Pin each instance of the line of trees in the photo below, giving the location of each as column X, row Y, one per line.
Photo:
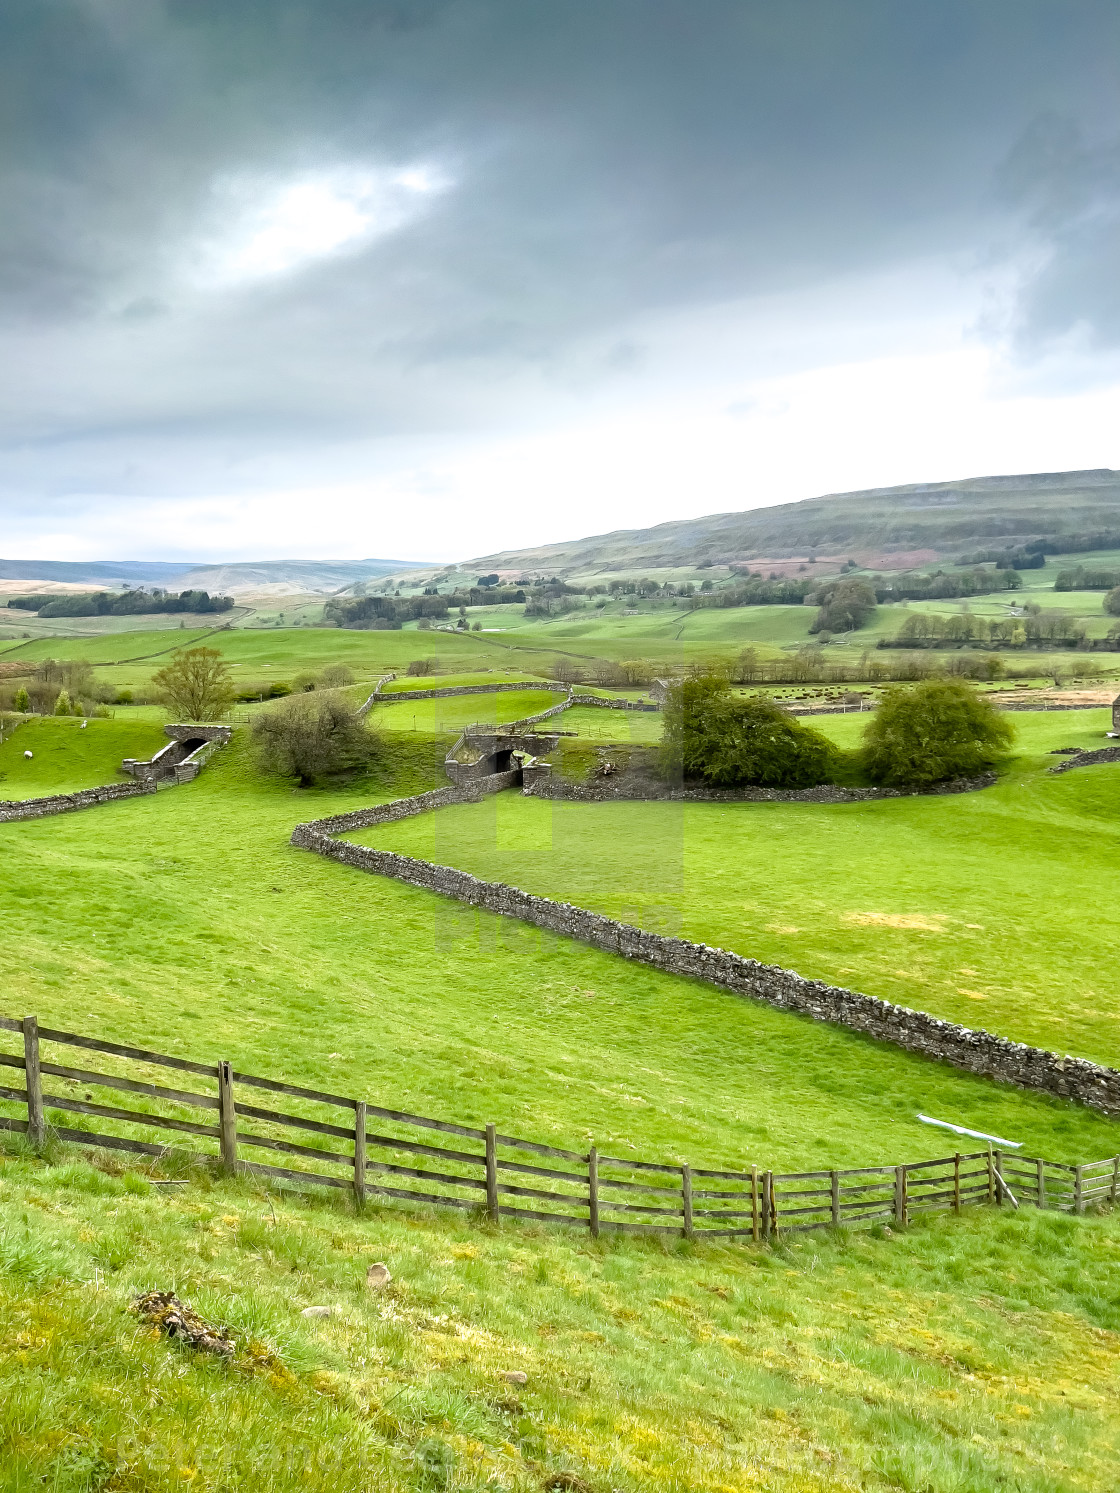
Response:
column 945, row 585
column 38, row 692
column 1017, row 557
column 1086, row 578
column 1035, row 629
column 383, row 613
column 126, row 604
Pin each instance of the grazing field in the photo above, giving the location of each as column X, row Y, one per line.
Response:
column 991, row 908
column 130, row 659
column 643, row 727
column 935, row 1360
column 185, row 922
column 66, row 758
column 956, row 1356
column 403, row 683
column 453, row 712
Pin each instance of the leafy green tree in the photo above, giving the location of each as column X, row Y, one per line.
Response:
column 22, row 701
column 925, row 733
column 197, row 684
column 710, row 733
column 62, row 705
column 313, row 736
column 1112, row 602
column 844, row 605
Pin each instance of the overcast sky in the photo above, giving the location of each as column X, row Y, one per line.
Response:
column 429, row 278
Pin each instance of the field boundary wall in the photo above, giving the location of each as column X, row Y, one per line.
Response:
column 67, row 803
column 328, row 1140
column 974, row 1050
column 1087, row 759
column 545, row 784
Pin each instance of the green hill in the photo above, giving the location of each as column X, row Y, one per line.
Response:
column 1075, row 510
column 959, row 1356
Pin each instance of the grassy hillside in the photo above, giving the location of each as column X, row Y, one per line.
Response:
column 929, row 1361
column 65, row 757
column 944, row 516
column 988, row 908
column 282, row 653
column 452, row 713
column 186, row 923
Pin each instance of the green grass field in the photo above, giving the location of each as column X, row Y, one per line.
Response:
column 959, row 1357
column 185, row 922
column 990, row 908
column 449, row 681
column 66, row 758
column 129, row 660
column 453, row 712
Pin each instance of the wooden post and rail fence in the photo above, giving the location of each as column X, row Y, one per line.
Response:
column 496, row 1175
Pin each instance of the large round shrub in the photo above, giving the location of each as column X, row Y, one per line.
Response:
column 926, row 733
column 1112, row 602
column 313, row 736
column 729, row 741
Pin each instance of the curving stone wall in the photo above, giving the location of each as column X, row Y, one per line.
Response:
column 1087, row 758
column 597, row 700
column 541, row 782
column 66, row 803
column 390, row 697
column 978, row 1052
column 403, row 808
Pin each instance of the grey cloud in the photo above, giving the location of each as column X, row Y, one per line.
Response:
column 1069, row 191
column 609, row 159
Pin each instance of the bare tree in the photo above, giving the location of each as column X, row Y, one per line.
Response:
column 196, row 684
column 312, row 736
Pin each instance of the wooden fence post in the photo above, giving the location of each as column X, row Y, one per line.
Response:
column 766, row 1206
column 957, row 1183
column 991, row 1176
column 686, row 1199
column 360, row 1152
column 997, row 1165
column 773, row 1206
column 1040, row 1173
column 900, row 1196
column 227, row 1116
column 835, row 1179
column 492, row 1173
column 593, row 1191
column 1078, row 1191
column 754, row 1203
column 1115, row 1178
column 36, row 1121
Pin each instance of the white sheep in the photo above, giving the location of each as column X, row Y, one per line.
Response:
column 29, row 755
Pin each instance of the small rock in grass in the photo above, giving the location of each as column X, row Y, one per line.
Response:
column 378, row 1277
column 317, row 1311
column 515, row 1376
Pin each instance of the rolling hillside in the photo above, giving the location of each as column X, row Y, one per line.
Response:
column 286, row 577
column 937, row 519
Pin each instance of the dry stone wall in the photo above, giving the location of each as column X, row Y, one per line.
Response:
column 544, row 783
column 978, row 1052
column 66, row 803
column 1086, row 759
column 308, row 835
column 391, row 697
column 606, row 704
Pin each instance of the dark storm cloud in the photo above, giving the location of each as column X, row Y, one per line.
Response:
column 601, row 159
column 1069, row 190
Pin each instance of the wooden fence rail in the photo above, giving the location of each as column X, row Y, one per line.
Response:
column 329, row 1140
